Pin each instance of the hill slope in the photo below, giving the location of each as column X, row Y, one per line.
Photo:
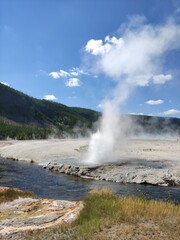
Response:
column 18, row 109
column 24, row 117
column 141, row 124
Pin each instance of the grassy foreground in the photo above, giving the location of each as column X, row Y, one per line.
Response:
column 106, row 216
column 12, row 194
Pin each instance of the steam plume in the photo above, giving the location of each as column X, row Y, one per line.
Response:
column 132, row 58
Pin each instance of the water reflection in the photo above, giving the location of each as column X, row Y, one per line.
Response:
column 44, row 183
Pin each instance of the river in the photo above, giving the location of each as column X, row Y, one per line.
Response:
column 47, row 184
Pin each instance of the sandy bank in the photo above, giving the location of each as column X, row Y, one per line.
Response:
column 154, row 161
column 42, row 151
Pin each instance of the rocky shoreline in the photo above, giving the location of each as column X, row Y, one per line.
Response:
column 120, row 173
column 141, row 161
column 27, row 213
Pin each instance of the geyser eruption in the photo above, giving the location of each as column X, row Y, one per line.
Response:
column 103, row 141
column 133, row 59
column 102, row 144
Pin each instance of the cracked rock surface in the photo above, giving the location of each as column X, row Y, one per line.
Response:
column 29, row 214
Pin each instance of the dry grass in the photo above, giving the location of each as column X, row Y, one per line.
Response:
column 104, row 211
column 12, row 194
column 107, row 217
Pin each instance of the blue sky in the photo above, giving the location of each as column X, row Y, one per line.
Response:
column 44, row 52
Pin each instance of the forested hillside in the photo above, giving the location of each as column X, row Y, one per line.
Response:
column 24, row 117
column 22, row 113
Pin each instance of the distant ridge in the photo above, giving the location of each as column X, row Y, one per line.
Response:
column 25, row 117
column 19, row 109
column 152, row 125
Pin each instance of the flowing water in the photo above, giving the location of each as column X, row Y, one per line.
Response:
column 44, row 183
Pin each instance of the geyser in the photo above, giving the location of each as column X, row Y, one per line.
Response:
column 103, row 141
column 132, row 58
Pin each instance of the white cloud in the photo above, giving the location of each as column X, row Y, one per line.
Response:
column 73, row 82
column 77, row 72
column 154, row 102
column 161, row 78
column 72, row 74
column 94, row 46
column 133, row 113
column 54, row 74
column 98, row 47
column 50, row 97
column 63, row 73
column 59, row 74
column 135, row 56
column 100, row 106
column 6, row 84
column 171, row 112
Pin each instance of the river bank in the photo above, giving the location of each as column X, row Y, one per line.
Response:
column 106, row 217
column 27, row 213
column 31, row 218
column 148, row 161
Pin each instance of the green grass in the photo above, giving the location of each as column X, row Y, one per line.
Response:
column 12, row 194
column 103, row 211
column 106, row 216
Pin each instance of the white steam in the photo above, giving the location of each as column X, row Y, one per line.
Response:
column 133, row 59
